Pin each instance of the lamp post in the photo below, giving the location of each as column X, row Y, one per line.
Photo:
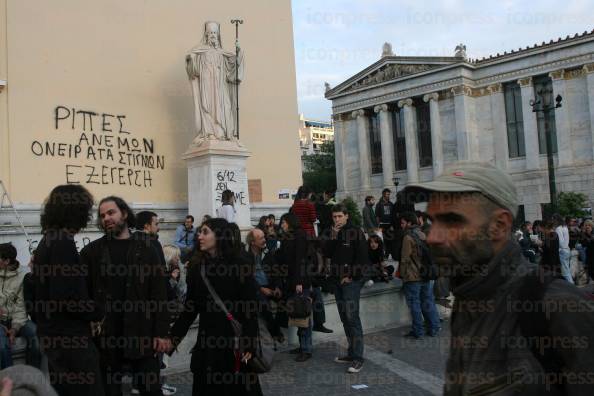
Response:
column 543, row 104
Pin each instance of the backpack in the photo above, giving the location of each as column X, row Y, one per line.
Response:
column 427, row 266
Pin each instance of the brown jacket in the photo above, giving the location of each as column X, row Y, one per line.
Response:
column 410, row 262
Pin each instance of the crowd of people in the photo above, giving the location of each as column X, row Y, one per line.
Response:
column 126, row 301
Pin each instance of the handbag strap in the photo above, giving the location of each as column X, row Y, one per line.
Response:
column 234, row 322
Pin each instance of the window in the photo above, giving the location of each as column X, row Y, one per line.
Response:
column 514, row 120
column 424, row 133
column 399, row 140
column 375, row 143
column 543, row 90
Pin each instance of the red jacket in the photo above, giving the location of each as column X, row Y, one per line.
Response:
column 305, row 211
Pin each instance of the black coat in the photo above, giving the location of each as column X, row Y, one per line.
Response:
column 146, row 291
column 292, row 259
column 62, row 302
column 347, row 252
column 213, row 355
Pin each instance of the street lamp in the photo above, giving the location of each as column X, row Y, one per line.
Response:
column 543, row 105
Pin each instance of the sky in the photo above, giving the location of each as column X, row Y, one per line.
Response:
column 336, row 39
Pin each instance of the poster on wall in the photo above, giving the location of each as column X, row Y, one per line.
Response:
column 284, row 193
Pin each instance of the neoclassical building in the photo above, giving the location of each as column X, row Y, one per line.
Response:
column 406, row 118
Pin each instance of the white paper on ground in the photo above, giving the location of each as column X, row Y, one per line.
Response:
column 359, row 386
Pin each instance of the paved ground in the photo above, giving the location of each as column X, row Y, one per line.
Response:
column 394, row 363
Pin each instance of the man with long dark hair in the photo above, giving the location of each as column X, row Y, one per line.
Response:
column 127, row 272
column 63, row 305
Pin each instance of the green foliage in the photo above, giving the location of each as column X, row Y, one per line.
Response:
column 319, row 170
column 572, row 204
column 354, row 213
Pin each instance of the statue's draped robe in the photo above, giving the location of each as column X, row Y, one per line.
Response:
column 212, row 76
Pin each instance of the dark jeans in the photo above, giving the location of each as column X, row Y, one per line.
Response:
column 74, row 371
column 5, row 349
column 305, row 334
column 32, row 355
column 33, row 352
column 420, row 301
column 145, row 372
column 347, row 302
column 319, row 311
column 388, row 236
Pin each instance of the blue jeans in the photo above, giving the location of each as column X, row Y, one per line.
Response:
column 305, row 333
column 5, row 349
column 33, row 353
column 565, row 258
column 420, row 301
column 347, row 302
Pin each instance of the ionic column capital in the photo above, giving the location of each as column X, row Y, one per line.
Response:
column 588, row 68
column 557, row 74
column 525, row 82
column 495, row 88
column 462, row 90
column 405, row 102
column 431, row 96
column 358, row 113
column 379, row 108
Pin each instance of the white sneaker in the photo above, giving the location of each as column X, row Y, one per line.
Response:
column 168, row 390
column 369, row 283
column 135, row 391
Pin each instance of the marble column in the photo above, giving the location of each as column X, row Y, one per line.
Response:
column 387, row 145
column 339, row 136
column 364, row 151
column 410, row 137
column 436, row 141
column 530, row 125
column 589, row 72
column 499, row 125
column 562, row 122
column 466, row 138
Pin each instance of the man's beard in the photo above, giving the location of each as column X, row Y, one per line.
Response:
column 116, row 230
column 213, row 43
column 466, row 259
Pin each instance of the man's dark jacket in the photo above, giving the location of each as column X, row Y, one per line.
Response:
column 348, row 253
column 493, row 324
column 146, row 289
column 269, row 266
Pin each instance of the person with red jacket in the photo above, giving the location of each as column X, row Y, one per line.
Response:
column 305, row 211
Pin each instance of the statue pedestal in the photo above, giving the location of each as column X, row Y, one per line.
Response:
column 213, row 167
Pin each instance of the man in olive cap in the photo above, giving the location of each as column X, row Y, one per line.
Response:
column 514, row 328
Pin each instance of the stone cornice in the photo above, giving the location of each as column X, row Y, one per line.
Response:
column 2, row 85
column 432, row 96
column 379, row 108
column 405, row 102
column 589, row 68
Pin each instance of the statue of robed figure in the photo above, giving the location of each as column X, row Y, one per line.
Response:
column 214, row 74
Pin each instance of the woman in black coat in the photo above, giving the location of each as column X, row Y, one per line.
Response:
column 587, row 241
column 62, row 304
column 218, row 363
column 292, row 257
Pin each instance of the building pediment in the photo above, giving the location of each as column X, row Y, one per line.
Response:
column 389, row 69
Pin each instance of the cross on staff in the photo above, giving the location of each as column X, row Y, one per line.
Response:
column 237, row 22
